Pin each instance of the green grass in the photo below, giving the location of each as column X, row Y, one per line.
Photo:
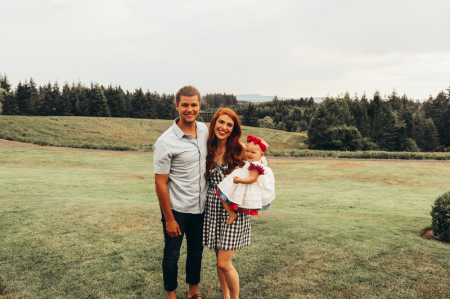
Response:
column 125, row 134
column 77, row 224
column 361, row 154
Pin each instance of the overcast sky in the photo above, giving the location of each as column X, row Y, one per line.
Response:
column 288, row 48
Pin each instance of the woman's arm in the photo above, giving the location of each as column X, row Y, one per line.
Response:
column 253, row 177
column 244, row 151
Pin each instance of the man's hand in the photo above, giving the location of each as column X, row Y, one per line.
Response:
column 173, row 229
column 236, row 180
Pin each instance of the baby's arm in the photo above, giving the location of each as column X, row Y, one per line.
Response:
column 253, row 177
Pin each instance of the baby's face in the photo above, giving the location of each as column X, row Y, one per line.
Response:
column 254, row 152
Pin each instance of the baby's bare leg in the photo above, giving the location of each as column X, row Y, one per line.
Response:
column 231, row 214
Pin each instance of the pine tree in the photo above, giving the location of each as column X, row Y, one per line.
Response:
column 140, row 105
column 419, row 129
column 431, row 135
column 116, row 101
column 80, row 100
column 10, row 106
column 375, row 112
column 23, row 98
column 34, row 97
column 363, row 122
column 98, row 105
column 66, row 100
column 3, row 93
column 390, row 131
column 250, row 118
column 395, row 101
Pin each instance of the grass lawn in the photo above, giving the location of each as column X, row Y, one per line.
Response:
column 76, row 224
column 126, row 134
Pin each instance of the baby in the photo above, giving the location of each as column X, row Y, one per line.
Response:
column 249, row 189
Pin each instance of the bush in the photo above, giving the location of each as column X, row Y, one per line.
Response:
column 411, row 146
column 440, row 214
column 266, row 122
column 343, row 138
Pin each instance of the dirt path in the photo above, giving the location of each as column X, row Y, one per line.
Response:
column 7, row 143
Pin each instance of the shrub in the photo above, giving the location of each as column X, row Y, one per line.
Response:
column 440, row 214
column 343, row 138
column 411, row 146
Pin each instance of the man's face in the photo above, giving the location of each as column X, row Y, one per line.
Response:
column 188, row 107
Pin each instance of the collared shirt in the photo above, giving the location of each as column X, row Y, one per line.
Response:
column 184, row 158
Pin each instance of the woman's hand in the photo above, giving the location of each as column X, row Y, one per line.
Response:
column 237, row 180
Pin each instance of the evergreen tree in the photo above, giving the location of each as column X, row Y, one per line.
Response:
column 395, row 101
column 80, row 100
column 431, row 135
column 419, row 129
column 389, row 132
column 375, row 112
column 116, row 101
column 363, row 120
column 444, row 122
column 66, row 100
column 128, row 104
column 98, row 105
column 3, row 93
column 23, row 98
column 250, row 118
column 55, row 99
column 140, row 105
column 7, row 100
column 34, row 97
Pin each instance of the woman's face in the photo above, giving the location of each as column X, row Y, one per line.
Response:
column 223, row 127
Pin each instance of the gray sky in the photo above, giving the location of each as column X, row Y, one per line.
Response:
column 288, row 48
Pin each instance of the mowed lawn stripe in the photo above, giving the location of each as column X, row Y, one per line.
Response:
column 87, row 224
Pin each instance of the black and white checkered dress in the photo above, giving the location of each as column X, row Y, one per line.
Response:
column 216, row 233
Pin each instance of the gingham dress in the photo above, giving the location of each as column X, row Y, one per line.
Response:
column 216, row 233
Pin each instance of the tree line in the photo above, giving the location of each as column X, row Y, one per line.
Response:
column 391, row 123
column 80, row 100
column 344, row 122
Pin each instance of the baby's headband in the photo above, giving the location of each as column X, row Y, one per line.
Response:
column 257, row 141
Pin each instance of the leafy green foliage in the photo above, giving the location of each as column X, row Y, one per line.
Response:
column 440, row 214
column 343, row 138
column 266, row 122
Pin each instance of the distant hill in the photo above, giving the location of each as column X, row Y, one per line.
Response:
column 261, row 98
column 125, row 134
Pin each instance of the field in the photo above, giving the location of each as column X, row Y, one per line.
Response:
column 128, row 134
column 125, row 134
column 80, row 224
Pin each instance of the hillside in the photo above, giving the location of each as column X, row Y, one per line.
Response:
column 125, row 134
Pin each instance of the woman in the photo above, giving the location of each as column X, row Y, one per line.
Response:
column 225, row 152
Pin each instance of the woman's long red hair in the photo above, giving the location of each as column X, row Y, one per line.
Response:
column 234, row 147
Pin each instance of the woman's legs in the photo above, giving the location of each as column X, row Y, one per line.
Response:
column 222, row 281
column 228, row 276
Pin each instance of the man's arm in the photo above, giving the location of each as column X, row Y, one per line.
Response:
column 164, row 201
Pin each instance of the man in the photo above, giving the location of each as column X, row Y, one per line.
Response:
column 179, row 162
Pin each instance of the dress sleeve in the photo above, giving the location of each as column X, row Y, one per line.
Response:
column 257, row 166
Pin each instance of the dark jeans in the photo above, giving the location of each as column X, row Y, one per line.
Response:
column 192, row 226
